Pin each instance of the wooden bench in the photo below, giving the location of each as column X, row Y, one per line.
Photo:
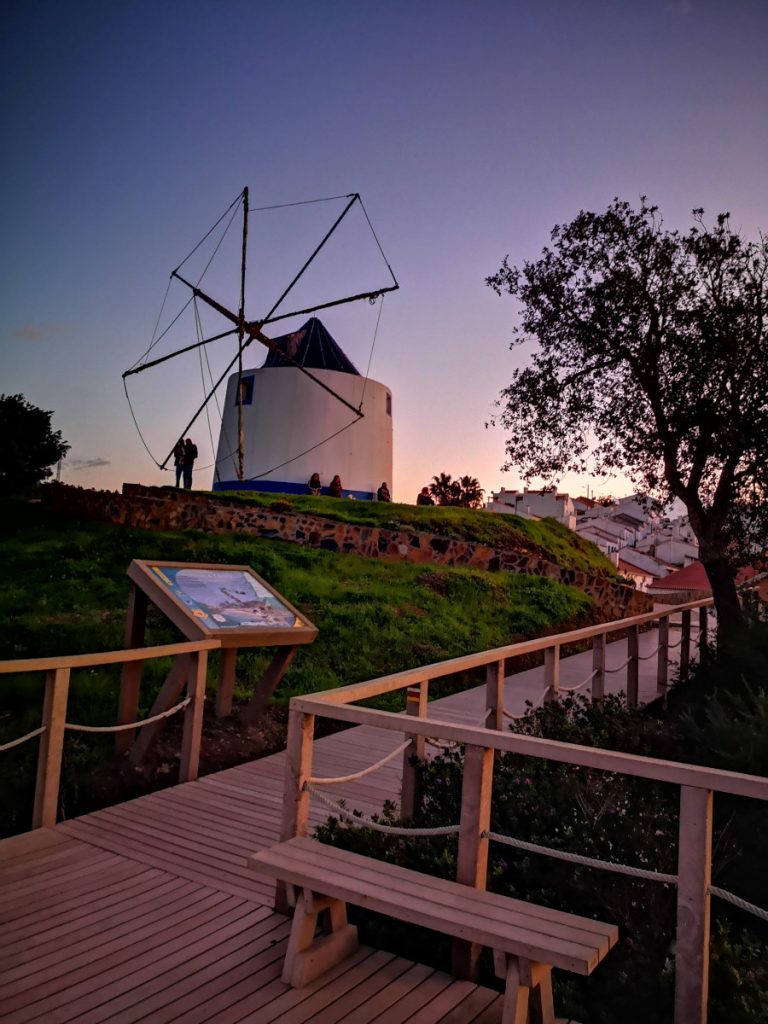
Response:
column 527, row 940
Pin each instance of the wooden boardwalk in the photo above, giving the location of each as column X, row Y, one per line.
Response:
column 145, row 912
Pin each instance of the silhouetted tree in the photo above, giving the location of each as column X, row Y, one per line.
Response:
column 28, row 445
column 652, row 360
column 471, row 495
column 464, row 492
column 442, row 489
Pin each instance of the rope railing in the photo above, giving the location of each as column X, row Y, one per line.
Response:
column 359, row 818
column 533, row 707
column 671, row 647
column 577, row 858
column 653, row 653
column 579, row 686
column 129, row 725
column 338, row 779
column 737, row 901
column 610, row 671
column 446, row 744
column 22, row 739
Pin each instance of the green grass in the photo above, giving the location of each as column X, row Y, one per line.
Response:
column 546, row 538
column 64, row 590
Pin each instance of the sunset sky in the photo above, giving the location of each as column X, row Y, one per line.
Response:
column 469, row 128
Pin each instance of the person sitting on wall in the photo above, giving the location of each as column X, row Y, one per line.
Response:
column 424, row 497
column 383, row 493
column 336, row 490
column 178, row 460
column 314, row 486
column 190, row 454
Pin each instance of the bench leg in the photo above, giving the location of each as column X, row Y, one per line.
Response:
column 528, row 994
column 308, row 956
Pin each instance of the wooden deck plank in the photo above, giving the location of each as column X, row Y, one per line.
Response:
column 439, row 1007
column 431, row 989
column 326, row 997
column 480, row 1001
column 293, row 997
column 207, row 833
column 28, row 844
column 190, row 976
column 103, row 871
column 80, row 910
column 53, row 1001
column 47, row 974
column 166, row 856
column 399, row 988
column 51, row 946
column 88, row 931
column 339, row 1010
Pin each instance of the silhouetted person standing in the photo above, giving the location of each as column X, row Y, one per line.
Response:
column 190, row 454
column 178, row 460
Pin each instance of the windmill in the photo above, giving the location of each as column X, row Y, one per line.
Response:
column 249, row 330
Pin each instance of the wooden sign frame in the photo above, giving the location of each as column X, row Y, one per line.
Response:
column 150, row 583
column 195, row 624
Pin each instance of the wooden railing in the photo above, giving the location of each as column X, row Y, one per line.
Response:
column 54, row 717
column 697, row 784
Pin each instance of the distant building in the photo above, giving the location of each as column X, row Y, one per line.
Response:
column 641, row 569
column 692, row 584
column 543, row 504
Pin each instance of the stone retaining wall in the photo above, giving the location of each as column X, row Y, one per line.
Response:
column 165, row 508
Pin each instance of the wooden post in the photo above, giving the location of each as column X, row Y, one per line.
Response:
column 51, row 748
column 633, row 666
column 598, row 666
column 226, row 681
column 552, row 672
column 128, row 706
column 298, row 768
column 472, row 865
column 167, row 696
column 685, row 645
column 703, row 633
column 267, row 685
column 692, row 940
column 193, row 718
column 416, row 698
column 494, row 695
column 662, row 666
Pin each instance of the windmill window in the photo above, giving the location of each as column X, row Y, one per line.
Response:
column 389, row 405
column 246, row 391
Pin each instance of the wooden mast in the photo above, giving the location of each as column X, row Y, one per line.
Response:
column 241, row 336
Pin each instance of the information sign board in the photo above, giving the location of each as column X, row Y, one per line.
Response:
column 229, row 602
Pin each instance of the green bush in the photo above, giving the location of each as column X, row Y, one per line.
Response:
column 604, row 816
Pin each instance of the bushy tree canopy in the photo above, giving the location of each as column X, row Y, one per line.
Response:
column 652, row 360
column 464, row 491
column 29, row 446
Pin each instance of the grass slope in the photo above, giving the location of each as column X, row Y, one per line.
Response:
column 64, row 590
column 545, row 537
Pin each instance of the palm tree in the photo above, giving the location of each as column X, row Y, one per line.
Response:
column 464, row 491
column 471, row 492
column 442, row 489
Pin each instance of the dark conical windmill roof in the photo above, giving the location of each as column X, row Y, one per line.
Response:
column 311, row 346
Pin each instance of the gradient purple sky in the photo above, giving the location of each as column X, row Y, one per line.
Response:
column 469, row 128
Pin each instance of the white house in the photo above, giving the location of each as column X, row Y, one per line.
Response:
column 642, row 569
column 546, row 503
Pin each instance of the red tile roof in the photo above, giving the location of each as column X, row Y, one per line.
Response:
column 694, row 577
